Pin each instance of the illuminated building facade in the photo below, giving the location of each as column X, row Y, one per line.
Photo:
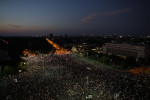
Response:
column 126, row 50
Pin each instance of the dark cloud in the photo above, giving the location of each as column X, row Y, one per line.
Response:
column 13, row 25
column 88, row 18
column 117, row 12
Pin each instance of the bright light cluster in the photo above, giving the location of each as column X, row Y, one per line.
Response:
column 28, row 52
column 59, row 50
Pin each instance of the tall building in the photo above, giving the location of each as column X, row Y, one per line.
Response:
column 127, row 50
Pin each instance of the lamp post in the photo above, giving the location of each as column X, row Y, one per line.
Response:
column 88, row 96
column 87, row 54
column 87, row 82
column 44, row 61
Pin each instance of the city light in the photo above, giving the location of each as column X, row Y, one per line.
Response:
column 28, row 52
column 59, row 50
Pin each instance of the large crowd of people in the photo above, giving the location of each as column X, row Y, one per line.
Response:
column 68, row 77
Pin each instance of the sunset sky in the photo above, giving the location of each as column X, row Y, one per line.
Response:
column 73, row 17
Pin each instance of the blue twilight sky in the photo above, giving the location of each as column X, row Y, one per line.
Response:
column 73, row 17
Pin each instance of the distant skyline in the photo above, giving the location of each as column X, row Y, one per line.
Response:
column 73, row 17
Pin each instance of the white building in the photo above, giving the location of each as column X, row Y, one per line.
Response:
column 126, row 50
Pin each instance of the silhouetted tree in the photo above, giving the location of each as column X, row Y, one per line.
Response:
column 130, row 61
column 53, row 50
column 51, row 35
column 105, row 59
column 141, row 61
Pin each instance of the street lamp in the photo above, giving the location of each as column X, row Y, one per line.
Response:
column 97, row 57
column 88, row 96
column 87, row 78
column 87, row 54
column 44, row 61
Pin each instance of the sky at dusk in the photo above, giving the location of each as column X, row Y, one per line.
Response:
column 73, row 17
